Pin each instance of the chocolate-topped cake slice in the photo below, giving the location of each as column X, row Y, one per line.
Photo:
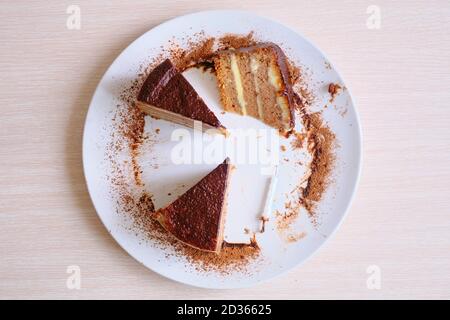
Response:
column 255, row 81
column 166, row 94
column 197, row 217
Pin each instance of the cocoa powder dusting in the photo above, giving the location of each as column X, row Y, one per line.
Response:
column 285, row 221
column 232, row 257
column 234, row 41
column 303, row 95
column 297, row 143
column 200, row 49
column 198, row 53
column 321, row 145
column 129, row 124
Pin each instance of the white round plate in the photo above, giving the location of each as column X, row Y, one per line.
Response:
column 247, row 193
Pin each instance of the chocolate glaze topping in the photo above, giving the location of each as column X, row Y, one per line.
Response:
column 168, row 89
column 196, row 216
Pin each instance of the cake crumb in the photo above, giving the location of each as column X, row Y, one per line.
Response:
column 333, row 90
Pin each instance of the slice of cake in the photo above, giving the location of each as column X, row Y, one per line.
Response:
column 166, row 94
column 197, row 217
column 255, row 81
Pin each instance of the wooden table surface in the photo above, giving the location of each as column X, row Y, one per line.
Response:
column 399, row 74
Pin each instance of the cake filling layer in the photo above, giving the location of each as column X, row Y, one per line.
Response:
column 238, row 83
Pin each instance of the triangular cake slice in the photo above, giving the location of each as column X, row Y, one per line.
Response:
column 197, row 217
column 255, row 81
column 166, row 94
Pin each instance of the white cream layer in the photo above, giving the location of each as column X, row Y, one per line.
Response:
column 238, row 83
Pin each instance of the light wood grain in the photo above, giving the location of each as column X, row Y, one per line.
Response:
column 399, row 76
